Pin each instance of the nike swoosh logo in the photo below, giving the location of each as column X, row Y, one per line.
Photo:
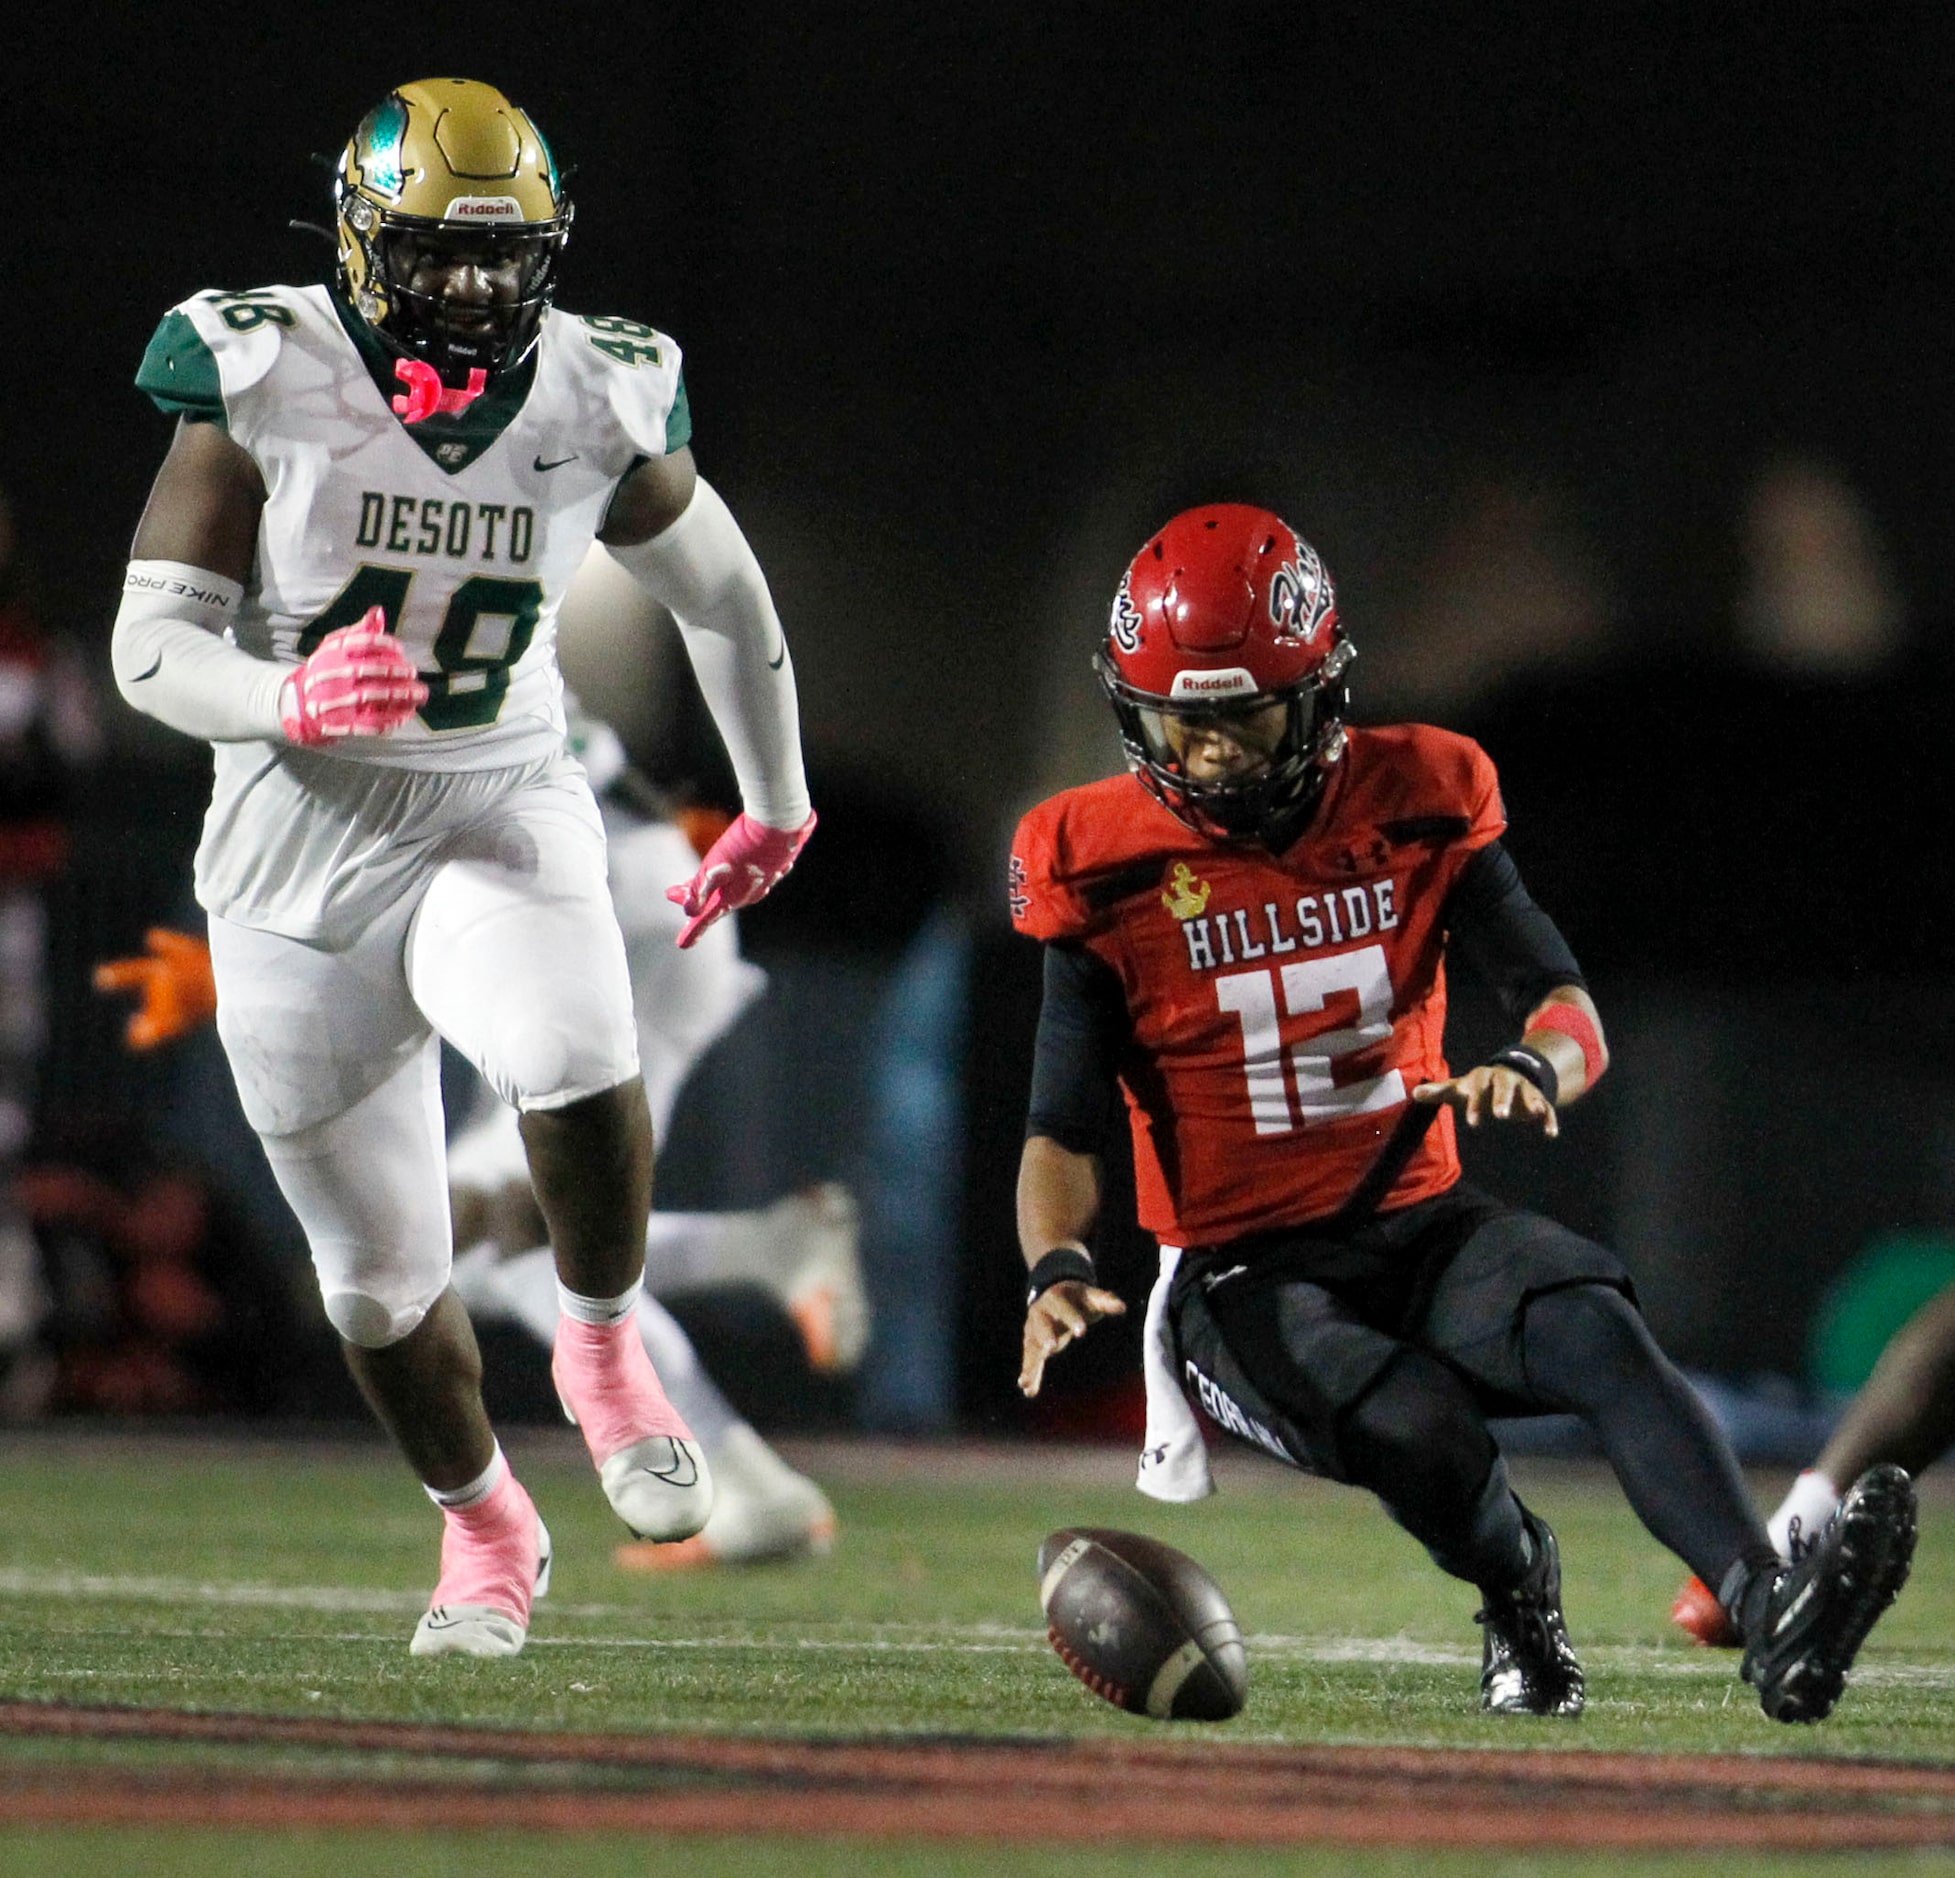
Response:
column 151, row 673
column 774, row 664
column 537, row 463
column 683, row 1471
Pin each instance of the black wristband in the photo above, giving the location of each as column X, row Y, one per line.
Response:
column 1062, row 1263
column 1531, row 1064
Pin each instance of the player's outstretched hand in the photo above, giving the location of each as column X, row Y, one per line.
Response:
column 357, row 683
column 743, row 866
column 1060, row 1316
column 173, row 979
column 1491, row 1088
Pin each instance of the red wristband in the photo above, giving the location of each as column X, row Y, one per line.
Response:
column 1572, row 1021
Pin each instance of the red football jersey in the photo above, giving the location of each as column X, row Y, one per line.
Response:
column 1283, row 1007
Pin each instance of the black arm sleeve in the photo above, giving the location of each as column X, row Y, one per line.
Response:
column 1083, row 1030
column 1507, row 939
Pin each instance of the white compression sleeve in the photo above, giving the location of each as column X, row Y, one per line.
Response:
column 172, row 661
column 702, row 569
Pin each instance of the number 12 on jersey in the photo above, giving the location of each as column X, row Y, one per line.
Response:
column 1307, row 985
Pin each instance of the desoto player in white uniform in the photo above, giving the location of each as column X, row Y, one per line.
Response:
column 347, row 579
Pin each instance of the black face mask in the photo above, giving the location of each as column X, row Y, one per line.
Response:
column 1272, row 805
column 493, row 332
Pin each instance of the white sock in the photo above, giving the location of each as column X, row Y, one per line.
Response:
column 1811, row 1503
column 474, row 1492
column 600, row 1311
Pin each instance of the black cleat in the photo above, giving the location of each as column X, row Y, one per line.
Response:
column 1527, row 1664
column 1821, row 1609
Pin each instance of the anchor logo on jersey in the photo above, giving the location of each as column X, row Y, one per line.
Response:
column 1185, row 896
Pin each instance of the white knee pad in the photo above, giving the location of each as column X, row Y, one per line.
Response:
column 370, row 1189
column 373, row 1322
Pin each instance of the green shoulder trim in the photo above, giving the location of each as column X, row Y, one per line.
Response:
column 450, row 443
column 678, row 423
column 179, row 373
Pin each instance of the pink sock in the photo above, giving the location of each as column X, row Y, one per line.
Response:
column 608, row 1383
column 491, row 1552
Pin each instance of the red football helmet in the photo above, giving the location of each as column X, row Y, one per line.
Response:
column 1226, row 612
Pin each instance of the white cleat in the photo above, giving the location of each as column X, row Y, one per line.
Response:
column 762, row 1511
column 660, row 1487
column 818, row 1232
column 480, row 1629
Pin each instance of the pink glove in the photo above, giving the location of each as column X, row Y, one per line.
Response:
column 743, row 866
column 357, row 683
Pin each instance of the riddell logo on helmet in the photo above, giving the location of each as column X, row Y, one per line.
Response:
column 1233, row 683
column 484, row 209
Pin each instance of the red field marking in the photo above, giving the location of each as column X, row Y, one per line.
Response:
column 99, row 1796
column 975, row 1761
column 1022, row 1792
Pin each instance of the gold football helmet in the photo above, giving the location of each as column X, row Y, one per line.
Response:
column 448, row 170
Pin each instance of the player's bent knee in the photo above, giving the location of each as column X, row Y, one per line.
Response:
column 535, row 1059
column 1585, row 1323
column 1417, row 1422
column 546, row 1061
column 371, row 1322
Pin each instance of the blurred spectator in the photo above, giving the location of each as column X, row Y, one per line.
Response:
column 1683, row 803
column 1511, row 588
column 161, row 1302
column 1819, row 597
column 48, row 730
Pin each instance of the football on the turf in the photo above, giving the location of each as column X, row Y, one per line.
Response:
column 1142, row 1625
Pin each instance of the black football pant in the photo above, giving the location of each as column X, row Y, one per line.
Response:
column 1376, row 1356
column 1419, row 1440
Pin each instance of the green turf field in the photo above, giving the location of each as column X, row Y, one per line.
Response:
column 214, row 1577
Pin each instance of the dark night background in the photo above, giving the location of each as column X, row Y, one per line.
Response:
column 1514, row 319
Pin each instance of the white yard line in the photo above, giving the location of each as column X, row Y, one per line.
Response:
column 959, row 1640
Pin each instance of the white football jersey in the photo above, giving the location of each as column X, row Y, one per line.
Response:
column 465, row 529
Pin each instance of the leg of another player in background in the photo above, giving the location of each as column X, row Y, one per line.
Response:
column 1905, row 1412
column 804, row 1250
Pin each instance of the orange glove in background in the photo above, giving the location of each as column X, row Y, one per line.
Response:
column 174, row 981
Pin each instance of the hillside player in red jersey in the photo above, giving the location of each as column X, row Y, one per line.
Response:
column 1247, row 936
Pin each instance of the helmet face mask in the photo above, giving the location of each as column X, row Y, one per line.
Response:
column 1226, row 619
column 451, row 217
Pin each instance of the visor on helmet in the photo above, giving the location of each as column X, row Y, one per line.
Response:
column 1282, row 758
